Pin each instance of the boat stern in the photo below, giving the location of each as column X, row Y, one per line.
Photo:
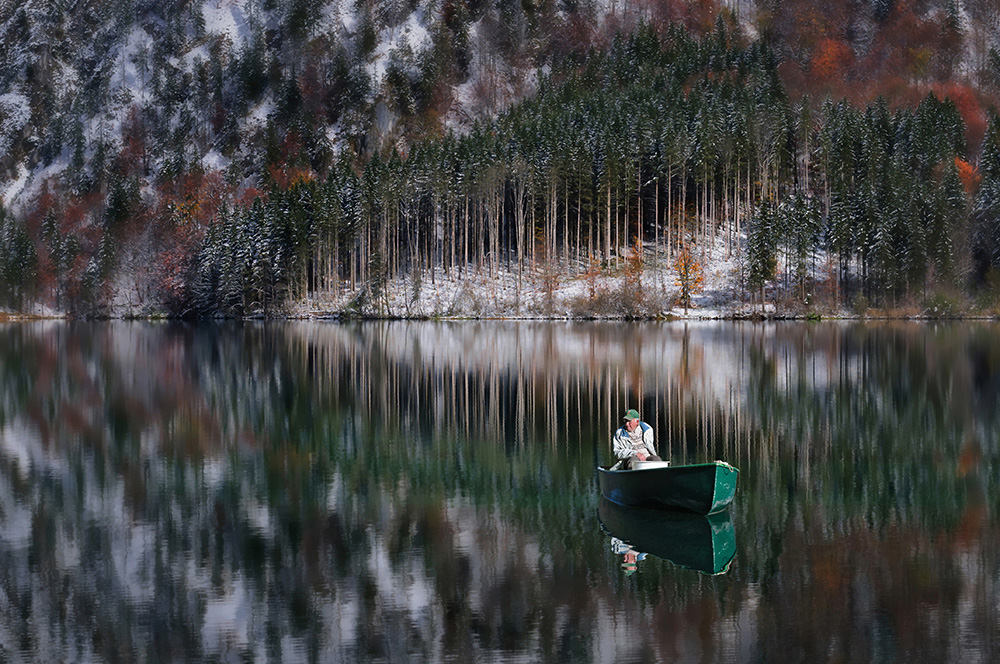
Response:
column 725, row 486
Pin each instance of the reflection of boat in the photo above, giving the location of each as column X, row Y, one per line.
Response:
column 699, row 542
column 703, row 488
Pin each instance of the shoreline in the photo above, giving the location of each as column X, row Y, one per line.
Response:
column 772, row 317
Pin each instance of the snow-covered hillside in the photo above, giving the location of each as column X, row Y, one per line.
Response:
column 441, row 157
column 75, row 78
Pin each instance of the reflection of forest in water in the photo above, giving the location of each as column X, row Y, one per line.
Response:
column 389, row 490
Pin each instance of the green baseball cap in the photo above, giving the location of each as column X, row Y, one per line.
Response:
column 632, row 414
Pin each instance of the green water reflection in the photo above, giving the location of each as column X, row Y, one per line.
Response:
column 693, row 541
column 426, row 491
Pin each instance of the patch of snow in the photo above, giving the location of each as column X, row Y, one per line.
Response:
column 402, row 43
column 16, row 110
column 343, row 13
column 215, row 161
column 127, row 80
column 11, row 194
column 333, row 134
column 493, row 85
column 261, row 112
column 414, row 31
column 15, row 113
column 567, row 293
column 226, row 18
column 197, row 54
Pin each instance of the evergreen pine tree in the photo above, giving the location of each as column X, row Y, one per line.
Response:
column 18, row 262
column 949, row 249
column 986, row 233
column 761, row 248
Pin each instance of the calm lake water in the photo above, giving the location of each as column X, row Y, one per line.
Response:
column 425, row 492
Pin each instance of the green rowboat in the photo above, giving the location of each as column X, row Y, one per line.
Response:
column 703, row 488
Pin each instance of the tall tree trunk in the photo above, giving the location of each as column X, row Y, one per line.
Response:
column 579, row 221
column 656, row 215
column 670, row 210
column 565, row 234
column 607, row 226
column 638, row 198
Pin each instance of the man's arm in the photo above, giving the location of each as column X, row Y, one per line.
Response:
column 647, row 437
column 621, row 446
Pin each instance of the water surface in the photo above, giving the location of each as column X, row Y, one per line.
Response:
column 388, row 492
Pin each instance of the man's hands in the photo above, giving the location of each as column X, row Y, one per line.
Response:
column 642, row 457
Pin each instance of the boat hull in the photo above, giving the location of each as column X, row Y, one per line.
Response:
column 704, row 543
column 703, row 488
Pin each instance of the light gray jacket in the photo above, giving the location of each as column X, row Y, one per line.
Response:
column 622, row 442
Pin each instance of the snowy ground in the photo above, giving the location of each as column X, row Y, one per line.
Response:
column 559, row 293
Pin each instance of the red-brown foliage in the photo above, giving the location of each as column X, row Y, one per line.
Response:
column 76, row 220
column 187, row 205
column 910, row 53
column 970, row 106
column 219, row 114
column 291, row 166
column 831, row 59
column 800, row 25
column 314, row 93
column 132, row 158
column 81, row 216
column 575, row 37
column 285, row 177
column 796, row 80
column 698, row 16
column 904, row 45
column 246, row 197
column 44, row 204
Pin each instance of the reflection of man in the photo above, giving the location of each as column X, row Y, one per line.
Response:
column 634, row 440
column 630, row 557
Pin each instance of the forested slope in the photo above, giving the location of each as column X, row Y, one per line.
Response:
column 237, row 158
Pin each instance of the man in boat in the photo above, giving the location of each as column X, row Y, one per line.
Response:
column 634, row 441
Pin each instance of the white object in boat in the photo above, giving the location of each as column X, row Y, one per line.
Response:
column 646, row 465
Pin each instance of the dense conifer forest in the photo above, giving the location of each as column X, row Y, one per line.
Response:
column 195, row 174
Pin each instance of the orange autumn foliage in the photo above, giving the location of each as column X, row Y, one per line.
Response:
column 285, row 176
column 831, row 59
column 690, row 275
column 968, row 175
